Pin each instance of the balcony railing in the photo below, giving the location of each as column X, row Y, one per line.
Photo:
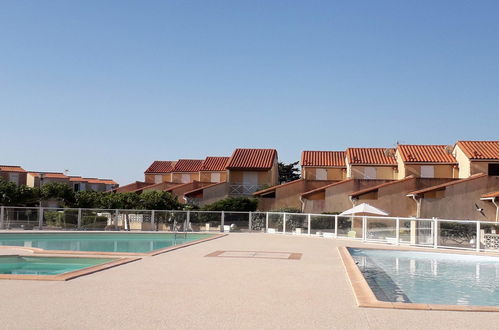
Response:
column 241, row 189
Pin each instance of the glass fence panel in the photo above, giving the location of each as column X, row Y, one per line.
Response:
column 258, row 221
column 416, row 232
column 489, row 236
column 98, row 219
column 54, row 219
column 275, row 223
column 321, row 224
column 345, row 228
column 20, row 218
column 135, row 220
column 205, row 221
column 236, row 222
column 381, row 229
column 457, row 234
column 296, row 223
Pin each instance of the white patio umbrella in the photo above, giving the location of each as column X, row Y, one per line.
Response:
column 364, row 209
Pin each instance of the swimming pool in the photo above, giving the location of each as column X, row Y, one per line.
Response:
column 28, row 265
column 429, row 278
column 142, row 243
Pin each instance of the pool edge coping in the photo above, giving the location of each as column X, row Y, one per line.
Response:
column 119, row 254
column 70, row 275
column 365, row 297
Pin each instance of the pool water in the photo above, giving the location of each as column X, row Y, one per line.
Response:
column 23, row 265
column 431, row 278
column 99, row 242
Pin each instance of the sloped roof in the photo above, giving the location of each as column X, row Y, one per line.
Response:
column 325, row 187
column 444, row 185
column 323, row 158
column 214, row 164
column 161, row 166
column 188, row 165
column 480, row 149
column 491, row 194
column 374, row 188
column 257, row 159
column 50, row 175
column 273, row 188
column 371, row 156
column 425, row 154
column 203, row 188
column 11, row 168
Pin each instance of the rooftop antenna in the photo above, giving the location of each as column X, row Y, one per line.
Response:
column 66, row 171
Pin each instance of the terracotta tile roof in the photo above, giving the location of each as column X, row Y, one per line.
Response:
column 491, row 194
column 444, row 185
column 257, row 159
column 77, row 179
column 202, row 188
column 49, row 175
column 161, row 166
column 426, row 154
column 263, row 191
column 11, row 168
column 325, row 187
column 371, row 156
column 374, row 188
column 480, row 149
column 188, row 165
column 323, row 158
column 93, row 180
column 108, row 181
column 214, row 164
column 178, row 186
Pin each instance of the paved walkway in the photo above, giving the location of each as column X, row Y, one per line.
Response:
column 183, row 289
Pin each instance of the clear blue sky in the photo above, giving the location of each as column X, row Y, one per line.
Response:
column 103, row 88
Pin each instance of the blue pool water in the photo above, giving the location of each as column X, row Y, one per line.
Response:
column 432, row 278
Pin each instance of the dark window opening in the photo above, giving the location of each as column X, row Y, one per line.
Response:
column 494, row 169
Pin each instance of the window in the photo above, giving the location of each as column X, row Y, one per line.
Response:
column 427, row 171
column 494, row 169
column 370, row 173
column 215, row 177
column 76, row 187
column 321, row 174
column 158, row 179
column 186, row 178
column 14, row 177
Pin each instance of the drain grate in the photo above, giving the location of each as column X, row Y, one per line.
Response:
column 256, row 254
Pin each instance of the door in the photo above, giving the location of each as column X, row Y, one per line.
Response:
column 427, row 171
column 14, row 177
column 215, row 177
column 321, row 174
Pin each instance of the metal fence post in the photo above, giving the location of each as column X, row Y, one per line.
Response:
column 336, row 226
column 78, row 223
column 364, row 228
column 249, row 221
column 187, row 221
column 153, row 215
column 40, row 218
column 266, row 222
column 397, row 233
column 2, row 216
column 116, row 219
column 478, row 236
column 284, row 223
column 222, row 222
column 435, row 233
column 309, row 220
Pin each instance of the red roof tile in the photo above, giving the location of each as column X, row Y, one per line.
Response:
column 50, row 175
column 444, row 185
column 323, row 158
column 214, row 164
column 77, row 179
column 188, row 165
column 480, row 149
column 257, row 159
column 202, row 188
column 426, row 154
column 11, row 168
column 266, row 190
column 491, row 194
column 161, row 166
column 371, row 156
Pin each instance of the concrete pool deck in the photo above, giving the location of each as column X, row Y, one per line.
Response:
column 184, row 289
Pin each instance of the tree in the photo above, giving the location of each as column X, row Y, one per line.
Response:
column 88, row 199
column 288, row 172
column 59, row 191
column 233, row 204
column 159, row 200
